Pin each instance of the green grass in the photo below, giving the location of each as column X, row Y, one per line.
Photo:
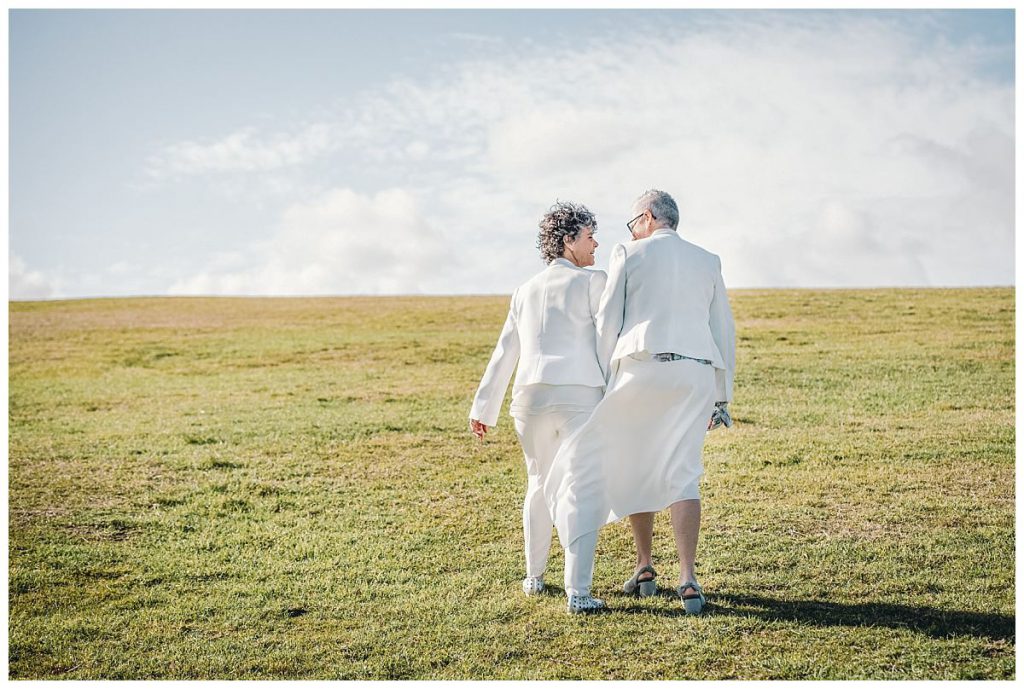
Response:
column 286, row 488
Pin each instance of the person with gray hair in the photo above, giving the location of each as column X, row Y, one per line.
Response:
column 660, row 207
column 550, row 333
column 666, row 342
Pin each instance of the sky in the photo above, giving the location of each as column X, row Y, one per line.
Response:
column 334, row 152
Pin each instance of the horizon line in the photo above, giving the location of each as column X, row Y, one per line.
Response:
column 478, row 294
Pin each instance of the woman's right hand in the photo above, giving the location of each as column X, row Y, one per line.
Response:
column 478, row 429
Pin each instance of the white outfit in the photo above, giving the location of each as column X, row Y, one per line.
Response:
column 540, row 435
column 550, row 331
column 665, row 294
column 640, row 450
column 541, row 398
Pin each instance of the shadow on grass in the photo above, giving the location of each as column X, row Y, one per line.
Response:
column 935, row 622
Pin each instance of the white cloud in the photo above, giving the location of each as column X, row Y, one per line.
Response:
column 341, row 242
column 485, row 40
column 807, row 152
column 245, row 150
column 25, row 283
column 417, row 150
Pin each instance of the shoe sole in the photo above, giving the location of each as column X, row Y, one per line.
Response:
column 693, row 606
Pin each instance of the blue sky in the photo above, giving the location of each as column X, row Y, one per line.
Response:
column 352, row 152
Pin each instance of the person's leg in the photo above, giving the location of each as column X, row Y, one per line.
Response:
column 537, row 524
column 579, row 565
column 536, row 528
column 686, row 528
column 642, row 524
column 686, row 512
column 579, row 556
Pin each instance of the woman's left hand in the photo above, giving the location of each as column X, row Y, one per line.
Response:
column 478, row 429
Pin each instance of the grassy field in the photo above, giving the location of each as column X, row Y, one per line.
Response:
column 286, row 488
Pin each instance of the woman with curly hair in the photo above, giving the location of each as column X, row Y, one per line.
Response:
column 550, row 332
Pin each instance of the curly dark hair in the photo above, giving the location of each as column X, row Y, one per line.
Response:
column 564, row 219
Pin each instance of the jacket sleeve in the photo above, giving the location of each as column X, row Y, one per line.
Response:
column 598, row 280
column 491, row 393
column 611, row 311
column 723, row 330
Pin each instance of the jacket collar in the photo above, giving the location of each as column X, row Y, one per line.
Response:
column 562, row 261
column 663, row 231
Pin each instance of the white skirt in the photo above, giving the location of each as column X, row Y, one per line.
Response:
column 640, row 450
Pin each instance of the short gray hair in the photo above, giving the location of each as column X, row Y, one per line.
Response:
column 662, row 206
column 564, row 219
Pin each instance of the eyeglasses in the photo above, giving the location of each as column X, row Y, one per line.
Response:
column 629, row 225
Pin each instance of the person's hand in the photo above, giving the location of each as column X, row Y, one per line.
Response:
column 478, row 429
column 720, row 416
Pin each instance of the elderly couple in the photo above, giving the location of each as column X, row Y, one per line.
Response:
column 619, row 378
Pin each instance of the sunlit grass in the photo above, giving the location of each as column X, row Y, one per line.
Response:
column 286, row 488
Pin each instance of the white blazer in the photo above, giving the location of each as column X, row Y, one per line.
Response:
column 665, row 294
column 550, row 332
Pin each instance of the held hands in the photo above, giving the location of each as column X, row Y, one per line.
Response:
column 477, row 428
column 720, row 416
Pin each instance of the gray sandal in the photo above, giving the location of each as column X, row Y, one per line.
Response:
column 693, row 603
column 644, row 588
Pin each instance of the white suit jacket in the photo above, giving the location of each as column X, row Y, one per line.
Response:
column 665, row 294
column 550, row 332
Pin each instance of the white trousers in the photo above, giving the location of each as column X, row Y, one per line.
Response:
column 540, row 436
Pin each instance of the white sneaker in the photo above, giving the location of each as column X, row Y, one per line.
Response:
column 584, row 604
column 533, row 585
